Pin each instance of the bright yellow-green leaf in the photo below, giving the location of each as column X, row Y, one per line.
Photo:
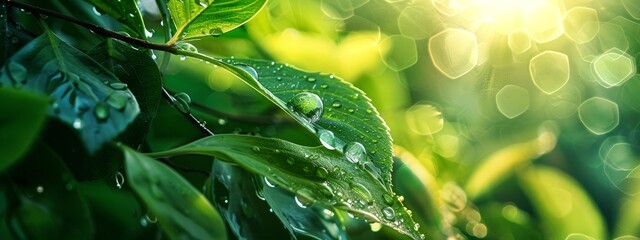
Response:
column 563, row 206
column 197, row 18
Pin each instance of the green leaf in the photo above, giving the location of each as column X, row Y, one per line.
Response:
column 180, row 208
column 501, row 164
column 24, row 114
column 125, row 11
column 45, row 203
column 312, row 173
column 85, row 95
column 197, row 18
column 11, row 39
column 563, row 206
column 140, row 73
column 343, row 111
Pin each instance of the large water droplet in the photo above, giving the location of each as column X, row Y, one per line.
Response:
column 355, row 152
column 101, row 111
column 187, row 47
column 17, row 72
column 388, row 213
column 119, row 180
column 388, row 198
column 183, row 101
column 322, row 172
column 307, row 105
column 362, row 191
column 250, row 70
column 304, row 198
column 78, row 123
column 118, row 100
column 327, row 139
column 40, row 189
column 215, row 32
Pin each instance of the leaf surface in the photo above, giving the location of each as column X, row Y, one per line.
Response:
column 85, row 95
column 197, row 18
column 182, row 211
column 314, row 174
column 125, row 11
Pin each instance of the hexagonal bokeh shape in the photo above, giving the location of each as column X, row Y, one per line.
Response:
column 612, row 36
column 549, row 71
column 454, row 52
column 581, row 24
column 450, row 7
column 413, row 22
column 599, row 115
column 613, row 68
column 632, row 7
column 543, row 22
column 512, row 101
column 402, row 52
column 519, row 42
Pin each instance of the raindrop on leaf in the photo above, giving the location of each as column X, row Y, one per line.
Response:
column 388, row 213
column 354, row 152
column 327, row 139
column 101, row 111
column 307, row 105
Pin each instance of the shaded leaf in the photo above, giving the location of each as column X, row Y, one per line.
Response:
column 564, row 207
column 236, row 194
column 23, row 117
column 45, row 203
column 197, row 18
column 345, row 111
column 312, row 173
column 10, row 38
column 140, row 73
column 125, row 11
column 85, row 95
column 180, row 208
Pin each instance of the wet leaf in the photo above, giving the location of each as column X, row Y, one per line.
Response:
column 564, row 207
column 11, row 39
column 84, row 94
column 125, row 11
column 136, row 69
column 23, row 117
column 197, row 18
column 182, row 211
column 312, row 173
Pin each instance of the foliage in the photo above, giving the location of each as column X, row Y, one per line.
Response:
column 255, row 119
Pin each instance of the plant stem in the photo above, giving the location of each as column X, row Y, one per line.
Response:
column 94, row 28
column 189, row 116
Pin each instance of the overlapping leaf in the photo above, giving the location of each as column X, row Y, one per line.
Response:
column 85, row 95
column 312, row 173
column 125, row 11
column 180, row 208
column 23, row 116
column 197, row 18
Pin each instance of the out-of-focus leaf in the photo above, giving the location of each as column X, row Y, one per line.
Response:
column 23, row 115
column 86, row 96
column 236, row 194
column 197, row 18
column 340, row 115
column 563, row 206
column 627, row 222
column 502, row 163
column 312, row 173
column 136, row 69
column 180, row 208
column 45, row 202
column 125, row 11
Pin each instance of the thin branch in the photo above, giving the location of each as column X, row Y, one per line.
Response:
column 94, row 28
column 189, row 116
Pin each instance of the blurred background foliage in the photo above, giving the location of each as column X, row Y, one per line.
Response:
column 511, row 119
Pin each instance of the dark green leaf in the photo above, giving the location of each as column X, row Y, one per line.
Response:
column 125, row 11
column 45, row 202
column 10, row 38
column 86, row 96
column 180, row 208
column 23, row 116
column 312, row 173
column 140, row 73
column 235, row 193
column 197, row 18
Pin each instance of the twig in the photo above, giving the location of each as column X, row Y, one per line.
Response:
column 189, row 116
